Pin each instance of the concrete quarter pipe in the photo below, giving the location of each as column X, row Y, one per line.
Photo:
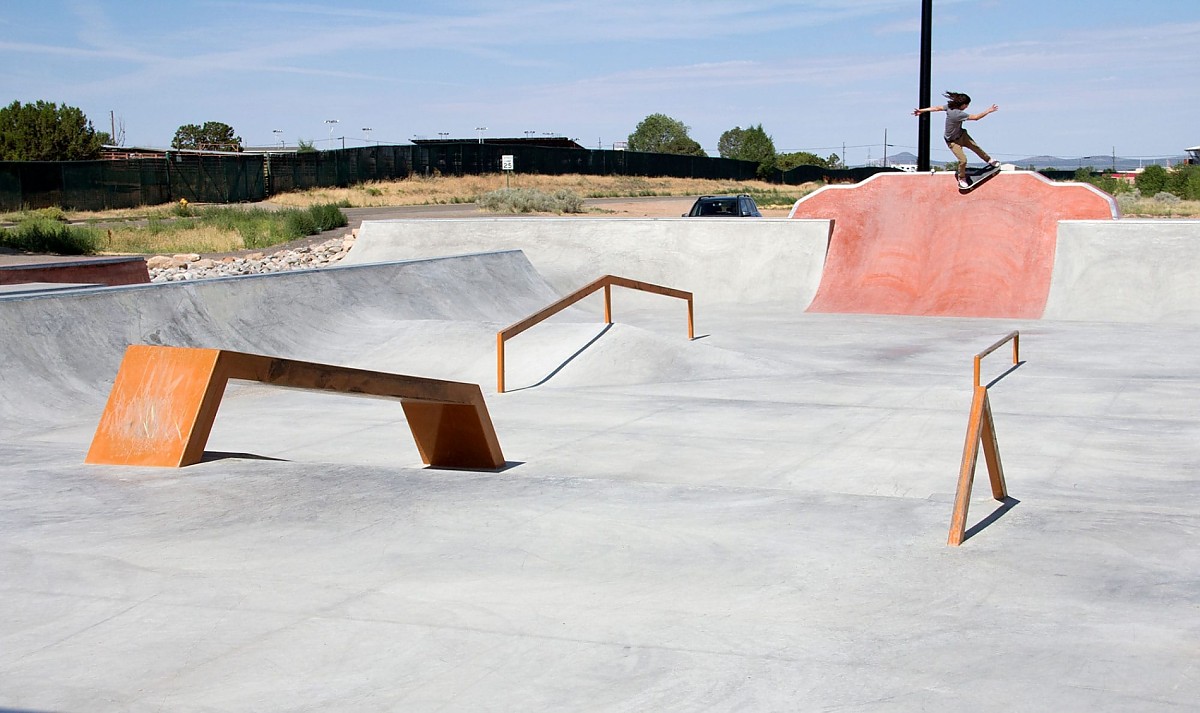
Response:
column 911, row 244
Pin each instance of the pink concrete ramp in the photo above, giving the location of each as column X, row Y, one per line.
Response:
column 913, row 244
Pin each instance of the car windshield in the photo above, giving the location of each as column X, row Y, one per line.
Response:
column 725, row 206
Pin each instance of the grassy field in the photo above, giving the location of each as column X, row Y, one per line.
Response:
column 466, row 189
column 1138, row 207
column 168, row 229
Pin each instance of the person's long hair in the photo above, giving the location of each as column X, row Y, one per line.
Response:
column 958, row 100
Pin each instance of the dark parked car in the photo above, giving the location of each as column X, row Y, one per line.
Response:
column 724, row 206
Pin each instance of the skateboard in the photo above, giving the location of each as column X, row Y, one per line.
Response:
column 977, row 176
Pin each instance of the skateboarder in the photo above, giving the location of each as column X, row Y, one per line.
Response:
column 957, row 137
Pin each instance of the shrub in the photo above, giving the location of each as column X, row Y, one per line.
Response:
column 1127, row 202
column 328, row 216
column 1152, row 180
column 530, row 200
column 300, row 223
column 53, row 213
column 1168, row 198
column 1184, row 182
column 263, row 228
column 45, row 235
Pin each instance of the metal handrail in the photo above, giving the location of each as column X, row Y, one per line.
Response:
column 1015, row 336
column 606, row 283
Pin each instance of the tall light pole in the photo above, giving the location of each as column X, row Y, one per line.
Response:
column 443, row 135
column 926, row 94
column 332, row 123
column 367, row 131
column 481, row 129
column 279, row 136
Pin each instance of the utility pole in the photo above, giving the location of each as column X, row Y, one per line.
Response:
column 926, row 98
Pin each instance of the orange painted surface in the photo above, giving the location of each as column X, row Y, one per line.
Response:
column 164, row 400
column 912, row 244
column 160, row 409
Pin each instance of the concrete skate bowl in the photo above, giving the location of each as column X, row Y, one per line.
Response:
column 434, row 318
column 912, row 244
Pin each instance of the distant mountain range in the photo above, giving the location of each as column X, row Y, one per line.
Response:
column 1065, row 164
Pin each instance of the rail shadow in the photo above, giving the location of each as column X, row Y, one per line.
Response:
column 1005, row 505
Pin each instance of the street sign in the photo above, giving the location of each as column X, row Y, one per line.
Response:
column 506, row 162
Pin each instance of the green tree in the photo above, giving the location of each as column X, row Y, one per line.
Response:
column 752, row 144
column 730, row 143
column 1152, row 180
column 1193, row 182
column 789, row 161
column 659, row 133
column 213, row 136
column 1184, row 181
column 44, row 131
column 1104, row 181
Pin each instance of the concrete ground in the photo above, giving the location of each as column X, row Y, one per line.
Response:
column 754, row 520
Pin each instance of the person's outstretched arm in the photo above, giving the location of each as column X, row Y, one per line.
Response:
column 928, row 110
column 985, row 112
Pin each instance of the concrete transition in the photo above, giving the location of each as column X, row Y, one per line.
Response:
column 1126, row 271
column 912, row 244
column 718, row 260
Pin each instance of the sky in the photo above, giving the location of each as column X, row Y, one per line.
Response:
column 1072, row 78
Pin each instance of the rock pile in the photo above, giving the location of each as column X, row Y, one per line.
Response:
column 176, row 268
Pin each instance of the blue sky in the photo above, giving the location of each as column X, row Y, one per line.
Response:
column 1072, row 78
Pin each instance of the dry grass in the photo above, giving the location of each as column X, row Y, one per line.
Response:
column 119, row 214
column 140, row 241
column 442, row 190
column 465, row 189
column 1154, row 208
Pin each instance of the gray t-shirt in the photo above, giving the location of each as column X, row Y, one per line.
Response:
column 954, row 123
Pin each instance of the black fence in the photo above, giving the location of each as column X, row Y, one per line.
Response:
column 805, row 174
column 101, row 185
column 224, row 178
